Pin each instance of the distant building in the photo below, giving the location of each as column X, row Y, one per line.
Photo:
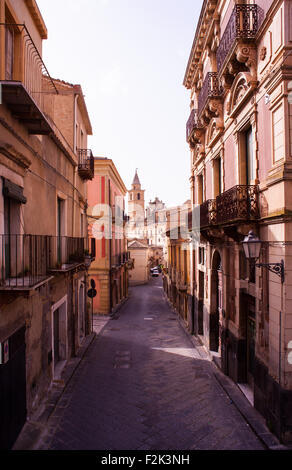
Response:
column 110, row 267
column 139, row 253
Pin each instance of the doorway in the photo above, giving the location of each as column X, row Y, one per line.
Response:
column 216, row 302
column 59, row 336
column 201, row 303
column 81, row 311
column 13, row 388
column 250, row 339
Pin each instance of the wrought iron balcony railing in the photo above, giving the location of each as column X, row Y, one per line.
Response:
column 208, row 213
column 192, row 122
column 26, row 79
column 28, row 260
column 210, row 89
column 85, row 164
column 120, row 259
column 237, row 204
column 244, row 23
column 24, row 261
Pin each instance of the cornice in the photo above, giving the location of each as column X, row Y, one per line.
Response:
column 202, row 34
column 37, row 17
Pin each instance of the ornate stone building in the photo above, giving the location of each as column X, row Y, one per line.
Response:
column 239, row 132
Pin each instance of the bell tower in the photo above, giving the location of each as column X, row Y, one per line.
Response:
column 136, row 197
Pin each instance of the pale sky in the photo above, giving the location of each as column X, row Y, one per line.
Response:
column 130, row 57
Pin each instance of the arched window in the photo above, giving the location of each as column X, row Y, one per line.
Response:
column 139, row 196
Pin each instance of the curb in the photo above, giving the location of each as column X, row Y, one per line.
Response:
column 112, row 315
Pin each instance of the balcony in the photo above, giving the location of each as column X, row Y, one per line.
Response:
column 24, row 261
column 119, row 260
column 28, row 261
column 85, row 164
column 192, row 123
column 24, row 84
column 239, row 203
column 210, row 90
column 243, row 26
column 208, row 213
column 66, row 253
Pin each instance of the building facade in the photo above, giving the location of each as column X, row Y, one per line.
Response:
column 106, row 193
column 139, row 254
column 43, row 226
column 239, row 133
column 177, row 274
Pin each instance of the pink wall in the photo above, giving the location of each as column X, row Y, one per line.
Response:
column 264, row 140
column 225, row 18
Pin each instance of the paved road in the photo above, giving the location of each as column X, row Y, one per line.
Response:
column 143, row 385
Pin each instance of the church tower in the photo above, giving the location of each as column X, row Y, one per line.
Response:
column 136, row 197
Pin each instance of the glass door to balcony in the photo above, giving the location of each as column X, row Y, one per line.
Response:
column 250, row 167
column 7, row 237
column 9, row 53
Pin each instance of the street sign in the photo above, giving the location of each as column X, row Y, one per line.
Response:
column 92, row 293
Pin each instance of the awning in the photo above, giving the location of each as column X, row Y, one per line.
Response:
column 13, row 191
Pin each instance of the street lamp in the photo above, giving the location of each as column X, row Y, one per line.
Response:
column 252, row 247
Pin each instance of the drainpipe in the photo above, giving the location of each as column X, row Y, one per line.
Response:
column 76, row 168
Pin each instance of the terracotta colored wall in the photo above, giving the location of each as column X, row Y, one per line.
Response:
column 264, row 140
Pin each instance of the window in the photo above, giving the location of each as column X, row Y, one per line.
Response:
column 247, row 172
column 202, row 256
column 250, row 167
column 60, row 229
column 200, row 189
column 139, row 196
column 217, row 177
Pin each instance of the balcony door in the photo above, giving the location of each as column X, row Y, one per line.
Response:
column 60, row 229
column 9, row 53
column 7, row 237
column 250, row 166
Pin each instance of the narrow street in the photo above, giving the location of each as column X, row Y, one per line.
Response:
column 142, row 385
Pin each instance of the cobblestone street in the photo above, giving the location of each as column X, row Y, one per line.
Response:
column 143, row 385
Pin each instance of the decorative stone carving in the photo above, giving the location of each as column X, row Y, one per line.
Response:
column 248, row 56
column 240, row 89
column 263, row 53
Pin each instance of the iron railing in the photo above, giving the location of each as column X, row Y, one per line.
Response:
column 85, row 163
column 238, row 203
column 24, row 260
column 211, row 89
column 34, row 70
column 27, row 260
column 208, row 213
column 244, row 24
column 119, row 259
column 192, row 123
